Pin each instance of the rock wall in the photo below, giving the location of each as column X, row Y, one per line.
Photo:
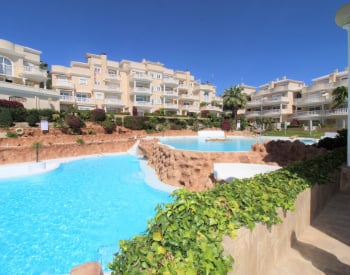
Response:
column 194, row 170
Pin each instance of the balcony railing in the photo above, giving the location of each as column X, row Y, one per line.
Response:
column 141, row 77
column 113, row 101
column 66, row 98
column 170, row 93
column 337, row 112
column 171, row 105
column 251, row 114
column 84, row 100
column 170, row 81
column 313, row 100
column 141, row 90
column 211, row 108
column 143, row 104
column 33, row 69
column 63, row 83
column 192, row 97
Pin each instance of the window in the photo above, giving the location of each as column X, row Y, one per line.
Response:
column 28, row 67
column 99, row 95
column 83, row 81
column 112, row 73
column 97, row 70
column 97, row 83
column 5, row 66
column 159, row 76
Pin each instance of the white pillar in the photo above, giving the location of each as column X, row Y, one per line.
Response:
column 347, row 27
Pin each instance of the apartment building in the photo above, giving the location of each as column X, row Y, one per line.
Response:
column 315, row 101
column 129, row 86
column 21, row 77
column 273, row 100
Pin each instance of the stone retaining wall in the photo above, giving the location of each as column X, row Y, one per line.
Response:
column 194, row 170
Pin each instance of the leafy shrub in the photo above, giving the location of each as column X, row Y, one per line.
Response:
column 134, row 122
column 80, row 141
column 85, row 114
column 226, row 125
column 5, row 118
column 186, row 235
column 32, row 120
column 18, row 114
column 92, row 132
column 331, row 143
column 74, row 123
column 98, row 115
column 244, row 123
column 11, row 134
column 10, row 104
column 47, row 113
column 118, row 121
column 205, row 113
column 109, row 126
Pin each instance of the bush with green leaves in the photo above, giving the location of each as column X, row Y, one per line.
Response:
column 80, row 141
column 331, row 143
column 98, row 115
column 85, row 114
column 118, row 121
column 109, row 126
column 11, row 134
column 18, row 114
column 74, row 123
column 185, row 237
column 135, row 122
column 32, row 120
column 5, row 118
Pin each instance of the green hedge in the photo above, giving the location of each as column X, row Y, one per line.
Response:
column 185, row 236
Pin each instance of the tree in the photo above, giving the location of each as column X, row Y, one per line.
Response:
column 340, row 96
column 234, row 99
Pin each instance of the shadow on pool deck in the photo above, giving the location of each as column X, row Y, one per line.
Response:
column 324, row 247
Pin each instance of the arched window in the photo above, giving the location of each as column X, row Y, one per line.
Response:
column 5, row 66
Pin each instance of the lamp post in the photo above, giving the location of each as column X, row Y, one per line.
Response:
column 342, row 19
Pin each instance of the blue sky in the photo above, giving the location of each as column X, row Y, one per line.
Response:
column 225, row 42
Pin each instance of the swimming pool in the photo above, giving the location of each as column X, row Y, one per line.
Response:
column 77, row 213
column 229, row 144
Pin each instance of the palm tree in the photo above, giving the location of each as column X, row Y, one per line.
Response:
column 340, row 96
column 234, row 99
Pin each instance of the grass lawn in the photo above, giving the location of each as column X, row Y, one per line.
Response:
column 297, row 132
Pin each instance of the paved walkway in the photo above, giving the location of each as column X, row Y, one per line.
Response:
column 324, row 247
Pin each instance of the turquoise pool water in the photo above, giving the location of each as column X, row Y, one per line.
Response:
column 77, row 213
column 231, row 144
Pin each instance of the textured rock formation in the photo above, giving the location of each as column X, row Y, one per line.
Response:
column 194, row 170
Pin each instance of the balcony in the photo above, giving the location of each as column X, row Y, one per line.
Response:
column 34, row 74
column 318, row 87
column 26, row 90
column 189, row 97
column 274, row 101
column 113, row 102
column 252, row 114
column 341, row 112
column 170, row 94
column 211, row 108
column 85, row 101
column 112, row 78
column 308, row 115
column 254, row 103
column 67, row 99
column 140, row 78
column 141, row 91
column 63, row 84
column 170, row 106
column 274, row 112
column 170, row 82
column 145, row 104
column 108, row 89
column 183, row 87
column 314, row 100
column 190, row 108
